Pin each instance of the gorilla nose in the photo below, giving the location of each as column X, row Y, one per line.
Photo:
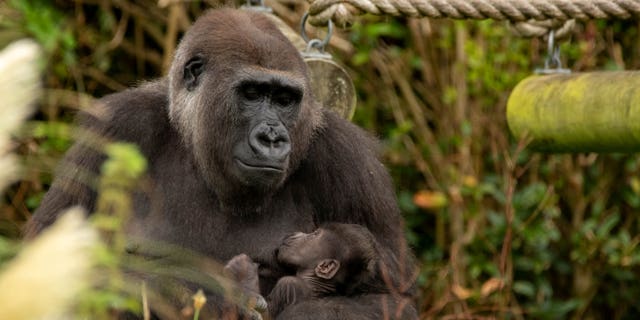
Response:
column 270, row 141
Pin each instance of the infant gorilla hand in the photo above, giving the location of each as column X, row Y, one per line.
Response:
column 245, row 272
column 288, row 291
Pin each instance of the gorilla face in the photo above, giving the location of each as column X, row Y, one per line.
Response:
column 305, row 250
column 238, row 96
column 269, row 104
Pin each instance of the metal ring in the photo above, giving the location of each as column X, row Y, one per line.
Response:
column 315, row 43
column 553, row 53
column 552, row 63
column 324, row 42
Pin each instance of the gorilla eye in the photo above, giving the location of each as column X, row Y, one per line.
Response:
column 285, row 98
column 251, row 92
column 192, row 71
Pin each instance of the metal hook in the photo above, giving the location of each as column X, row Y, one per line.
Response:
column 317, row 44
column 551, row 43
column 552, row 63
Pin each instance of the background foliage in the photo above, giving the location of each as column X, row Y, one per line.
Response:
column 499, row 231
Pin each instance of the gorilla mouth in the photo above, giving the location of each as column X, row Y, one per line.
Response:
column 261, row 167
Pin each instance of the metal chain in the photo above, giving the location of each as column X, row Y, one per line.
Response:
column 342, row 11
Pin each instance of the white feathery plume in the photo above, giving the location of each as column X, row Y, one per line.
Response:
column 43, row 281
column 19, row 88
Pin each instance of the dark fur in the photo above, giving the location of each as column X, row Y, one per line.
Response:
column 191, row 200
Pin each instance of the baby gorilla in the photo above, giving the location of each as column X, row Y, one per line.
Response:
column 334, row 260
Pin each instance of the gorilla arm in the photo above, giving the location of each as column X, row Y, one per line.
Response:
column 136, row 115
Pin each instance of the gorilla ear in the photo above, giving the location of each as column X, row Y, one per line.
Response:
column 327, row 268
column 192, row 70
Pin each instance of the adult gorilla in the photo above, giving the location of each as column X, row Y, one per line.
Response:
column 240, row 154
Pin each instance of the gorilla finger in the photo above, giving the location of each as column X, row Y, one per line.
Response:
column 260, row 303
column 255, row 315
column 255, row 301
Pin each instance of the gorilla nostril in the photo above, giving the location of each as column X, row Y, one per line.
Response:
column 264, row 139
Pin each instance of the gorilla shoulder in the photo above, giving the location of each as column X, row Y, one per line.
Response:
column 136, row 115
column 339, row 133
column 345, row 158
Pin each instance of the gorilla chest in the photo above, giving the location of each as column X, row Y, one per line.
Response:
column 197, row 222
column 183, row 211
column 201, row 226
column 259, row 235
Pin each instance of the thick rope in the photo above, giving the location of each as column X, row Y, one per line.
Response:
column 342, row 11
column 539, row 28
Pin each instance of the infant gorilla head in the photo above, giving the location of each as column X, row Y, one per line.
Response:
column 335, row 254
column 336, row 259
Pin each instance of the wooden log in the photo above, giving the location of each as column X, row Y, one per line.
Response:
column 582, row 112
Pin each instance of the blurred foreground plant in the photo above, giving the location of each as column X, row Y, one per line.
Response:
column 46, row 276
column 49, row 277
column 44, row 280
column 19, row 87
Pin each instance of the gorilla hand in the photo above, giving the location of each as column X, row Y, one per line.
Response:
column 244, row 272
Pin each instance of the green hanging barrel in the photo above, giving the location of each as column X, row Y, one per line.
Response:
column 581, row 112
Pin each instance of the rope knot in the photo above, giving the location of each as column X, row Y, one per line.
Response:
column 537, row 28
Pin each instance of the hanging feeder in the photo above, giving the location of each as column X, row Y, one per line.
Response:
column 583, row 112
column 330, row 82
